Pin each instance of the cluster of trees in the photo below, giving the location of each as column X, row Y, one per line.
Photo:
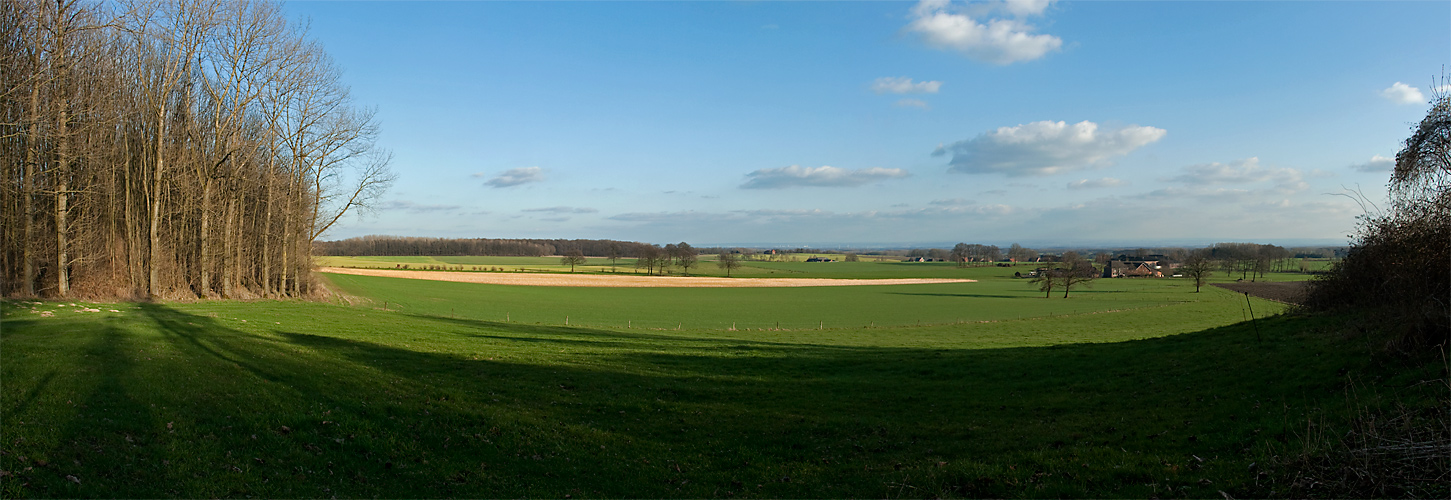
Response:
column 658, row 260
column 1400, row 267
column 1075, row 271
column 1250, row 260
column 193, row 147
column 964, row 253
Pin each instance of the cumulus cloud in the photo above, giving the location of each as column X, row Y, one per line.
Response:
column 904, row 85
column 1095, row 183
column 411, row 207
column 951, row 202
column 823, row 176
column 1377, row 163
column 561, row 210
column 1246, row 171
column 1401, row 93
column 997, row 40
column 1045, row 148
column 911, row 103
column 514, row 177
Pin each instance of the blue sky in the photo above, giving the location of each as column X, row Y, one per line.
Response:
column 885, row 123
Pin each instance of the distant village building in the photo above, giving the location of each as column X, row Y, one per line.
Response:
column 1123, row 267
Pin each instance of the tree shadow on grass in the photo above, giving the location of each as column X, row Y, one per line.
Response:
column 298, row 413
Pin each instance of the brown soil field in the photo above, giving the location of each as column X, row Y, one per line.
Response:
column 597, row 280
column 1289, row 292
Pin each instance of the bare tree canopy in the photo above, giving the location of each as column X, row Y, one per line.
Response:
column 172, row 149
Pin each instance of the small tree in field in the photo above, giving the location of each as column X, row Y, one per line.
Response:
column 614, row 255
column 573, row 258
column 851, row 257
column 1080, row 274
column 1197, row 268
column 727, row 261
column 1046, row 280
column 686, row 257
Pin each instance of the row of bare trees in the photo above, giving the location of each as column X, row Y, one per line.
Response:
column 172, row 148
column 377, row 245
column 656, row 259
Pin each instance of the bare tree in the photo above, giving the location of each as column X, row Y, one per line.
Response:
column 728, row 262
column 573, row 258
column 1046, row 279
column 1198, row 268
column 960, row 254
column 686, row 256
column 1078, row 274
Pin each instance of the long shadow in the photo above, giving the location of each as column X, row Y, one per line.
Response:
column 965, row 295
column 617, row 337
column 378, row 419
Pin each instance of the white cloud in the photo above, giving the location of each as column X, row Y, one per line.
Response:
column 1095, row 183
column 515, row 177
column 904, row 85
column 561, row 210
column 1026, row 7
column 1246, row 171
column 1045, row 148
column 1377, row 163
column 911, row 103
column 1401, row 93
column 824, row 176
column 996, row 40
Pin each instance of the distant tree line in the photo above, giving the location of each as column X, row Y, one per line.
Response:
column 181, row 148
column 400, row 245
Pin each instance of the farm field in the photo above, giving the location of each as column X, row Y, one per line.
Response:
column 1133, row 388
column 993, row 298
column 867, row 269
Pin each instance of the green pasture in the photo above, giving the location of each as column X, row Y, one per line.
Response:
column 808, row 308
column 306, row 399
column 798, row 268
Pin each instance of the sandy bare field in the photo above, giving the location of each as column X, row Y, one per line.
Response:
column 597, row 280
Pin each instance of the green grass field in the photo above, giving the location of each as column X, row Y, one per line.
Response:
column 433, row 397
column 994, row 298
column 797, row 268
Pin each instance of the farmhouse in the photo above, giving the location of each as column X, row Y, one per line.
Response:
column 1137, row 268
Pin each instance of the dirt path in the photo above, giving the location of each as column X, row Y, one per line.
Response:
column 1289, row 292
column 598, row 280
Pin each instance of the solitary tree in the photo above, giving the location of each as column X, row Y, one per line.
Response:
column 727, row 261
column 1079, row 273
column 572, row 258
column 1046, row 280
column 851, row 257
column 1197, row 268
column 686, row 256
column 614, row 255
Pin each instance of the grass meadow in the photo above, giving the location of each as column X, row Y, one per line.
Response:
column 1169, row 395
column 875, row 268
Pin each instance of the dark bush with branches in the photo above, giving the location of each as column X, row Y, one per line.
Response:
column 1401, row 266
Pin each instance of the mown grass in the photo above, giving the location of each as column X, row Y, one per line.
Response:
column 997, row 296
column 867, row 269
column 287, row 399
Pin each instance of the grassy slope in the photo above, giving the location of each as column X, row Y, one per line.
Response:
column 997, row 296
column 307, row 399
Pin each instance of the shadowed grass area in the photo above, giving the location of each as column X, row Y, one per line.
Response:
column 286, row 399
